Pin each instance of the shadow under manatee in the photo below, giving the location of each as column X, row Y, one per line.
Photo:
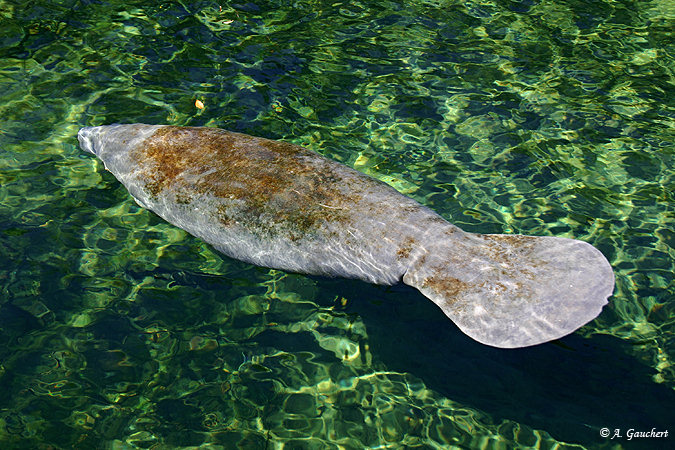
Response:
column 570, row 388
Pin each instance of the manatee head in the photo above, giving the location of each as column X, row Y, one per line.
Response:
column 112, row 143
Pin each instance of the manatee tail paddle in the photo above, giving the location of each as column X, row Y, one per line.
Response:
column 514, row 291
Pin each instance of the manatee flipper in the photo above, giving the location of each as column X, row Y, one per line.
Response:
column 514, row 291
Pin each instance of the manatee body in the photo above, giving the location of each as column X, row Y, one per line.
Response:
column 279, row 205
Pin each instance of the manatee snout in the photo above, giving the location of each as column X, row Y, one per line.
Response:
column 86, row 138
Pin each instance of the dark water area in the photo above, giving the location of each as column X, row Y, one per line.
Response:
column 121, row 331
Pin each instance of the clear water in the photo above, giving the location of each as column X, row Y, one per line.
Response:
column 534, row 117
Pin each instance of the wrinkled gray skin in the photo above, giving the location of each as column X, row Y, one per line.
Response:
column 278, row 205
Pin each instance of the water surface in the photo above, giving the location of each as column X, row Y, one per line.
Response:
column 533, row 117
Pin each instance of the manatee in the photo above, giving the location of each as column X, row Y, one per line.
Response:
column 279, row 205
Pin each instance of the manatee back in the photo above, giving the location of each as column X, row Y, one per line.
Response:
column 270, row 203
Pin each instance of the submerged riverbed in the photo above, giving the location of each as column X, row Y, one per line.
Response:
column 529, row 117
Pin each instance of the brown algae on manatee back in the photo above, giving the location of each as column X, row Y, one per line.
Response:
column 266, row 186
